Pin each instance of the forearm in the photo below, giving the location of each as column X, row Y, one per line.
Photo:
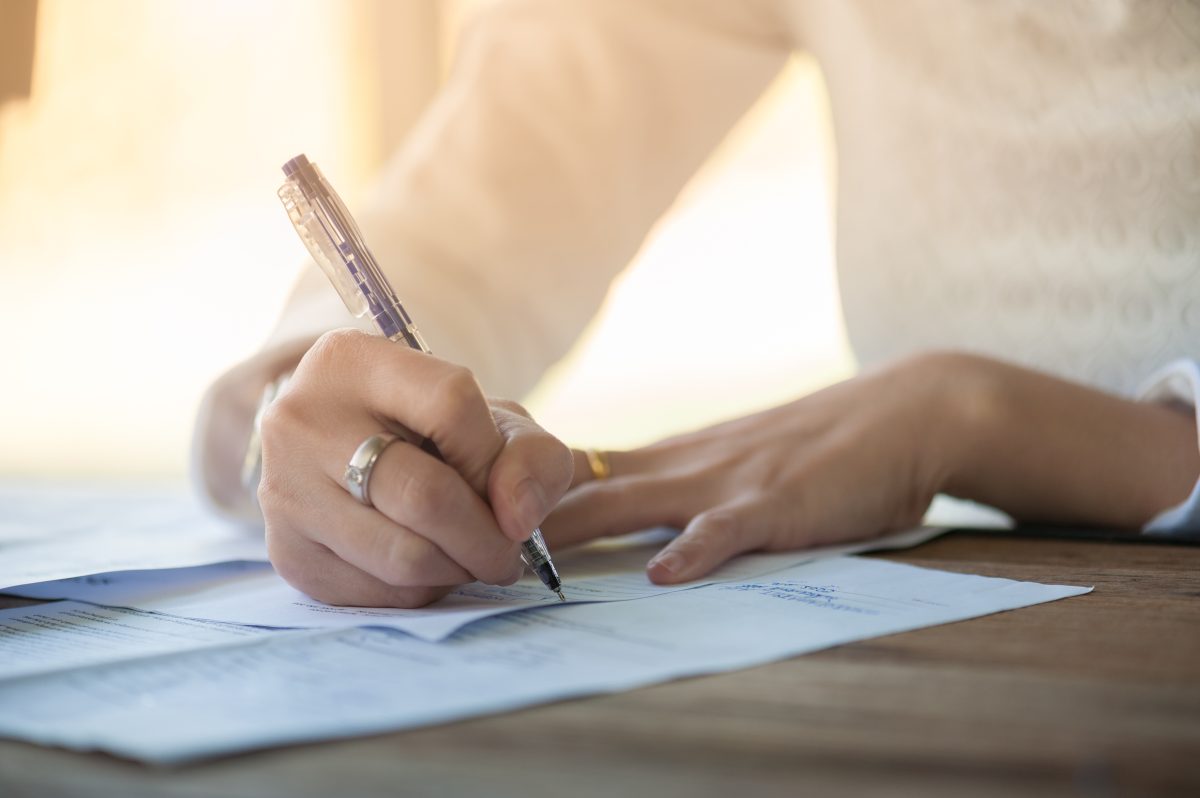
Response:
column 1044, row 449
column 563, row 132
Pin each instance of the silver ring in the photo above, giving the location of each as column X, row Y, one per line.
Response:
column 358, row 470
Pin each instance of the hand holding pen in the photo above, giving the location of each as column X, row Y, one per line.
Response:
column 388, row 477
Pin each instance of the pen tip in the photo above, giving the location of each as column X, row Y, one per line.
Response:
column 561, row 597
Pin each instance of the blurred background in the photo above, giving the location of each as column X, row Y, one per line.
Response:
column 143, row 250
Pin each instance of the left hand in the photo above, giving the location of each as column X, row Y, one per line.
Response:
column 867, row 456
column 853, row 461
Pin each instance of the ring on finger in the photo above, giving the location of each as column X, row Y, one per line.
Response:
column 358, row 471
column 599, row 462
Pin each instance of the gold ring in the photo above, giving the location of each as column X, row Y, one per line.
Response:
column 599, row 463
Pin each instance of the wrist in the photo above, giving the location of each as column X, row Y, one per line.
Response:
column 1045, row 449
column 965, row 410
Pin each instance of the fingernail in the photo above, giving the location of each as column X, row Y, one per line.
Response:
column 670, row 562
column 530, row 503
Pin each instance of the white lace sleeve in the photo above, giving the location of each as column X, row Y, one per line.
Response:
column 1179, row 381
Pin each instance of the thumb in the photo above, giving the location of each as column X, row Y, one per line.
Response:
column 530, row 474
column 711, row 538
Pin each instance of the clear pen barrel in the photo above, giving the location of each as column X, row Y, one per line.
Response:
column 334, row 241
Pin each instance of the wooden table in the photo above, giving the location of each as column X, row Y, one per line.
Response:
column 1094, row 695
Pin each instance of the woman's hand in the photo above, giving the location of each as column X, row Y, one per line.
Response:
column 435, row 524
column 852, row 461
column 866, row 457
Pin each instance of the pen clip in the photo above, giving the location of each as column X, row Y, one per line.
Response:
column 321, row 246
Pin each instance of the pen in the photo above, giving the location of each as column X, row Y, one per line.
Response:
column 337, row 245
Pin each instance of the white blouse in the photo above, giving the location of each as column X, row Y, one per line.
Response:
column 1015, row 178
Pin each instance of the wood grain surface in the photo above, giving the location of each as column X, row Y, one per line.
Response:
column 1095, row 695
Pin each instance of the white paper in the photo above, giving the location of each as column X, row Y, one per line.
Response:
column 57, row 531
column 131, row 588
column 242, row 594
column 69, row 634
column 317, row 685
column 952, row 513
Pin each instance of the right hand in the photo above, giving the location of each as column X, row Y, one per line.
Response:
column 435, row 524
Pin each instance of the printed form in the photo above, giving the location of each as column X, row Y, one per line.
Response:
column 251, row 593
column 286, row 687
column 69, row 634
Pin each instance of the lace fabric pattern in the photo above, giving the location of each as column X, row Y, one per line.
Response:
column 1028, row 187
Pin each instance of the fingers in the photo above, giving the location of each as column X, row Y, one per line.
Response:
column 621, row 463
column 428, row 528
column 582, row 468
column 711, row 538
column 396, row 384
column 312, row 568
column 529, row 476
column 373, row 543
column 620, row 505
column 423, row 494
column 431, row 523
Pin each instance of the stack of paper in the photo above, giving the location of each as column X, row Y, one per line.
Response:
column 55, row 531
column 177, row 664
column 251, row 593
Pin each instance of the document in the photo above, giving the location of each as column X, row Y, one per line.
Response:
column 56, row 531
column 131, row 588
column 313, row 685
column 68, row 634
column 252, row 594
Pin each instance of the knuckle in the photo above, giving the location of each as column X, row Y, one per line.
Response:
column 457, row 394
column 328, row 359
column 335, row 345
column 510, row 406
column 540, row 456
column 403, row 562
column 274, row 492
column 720, row 523
column 268, row 494
column 280, row 420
